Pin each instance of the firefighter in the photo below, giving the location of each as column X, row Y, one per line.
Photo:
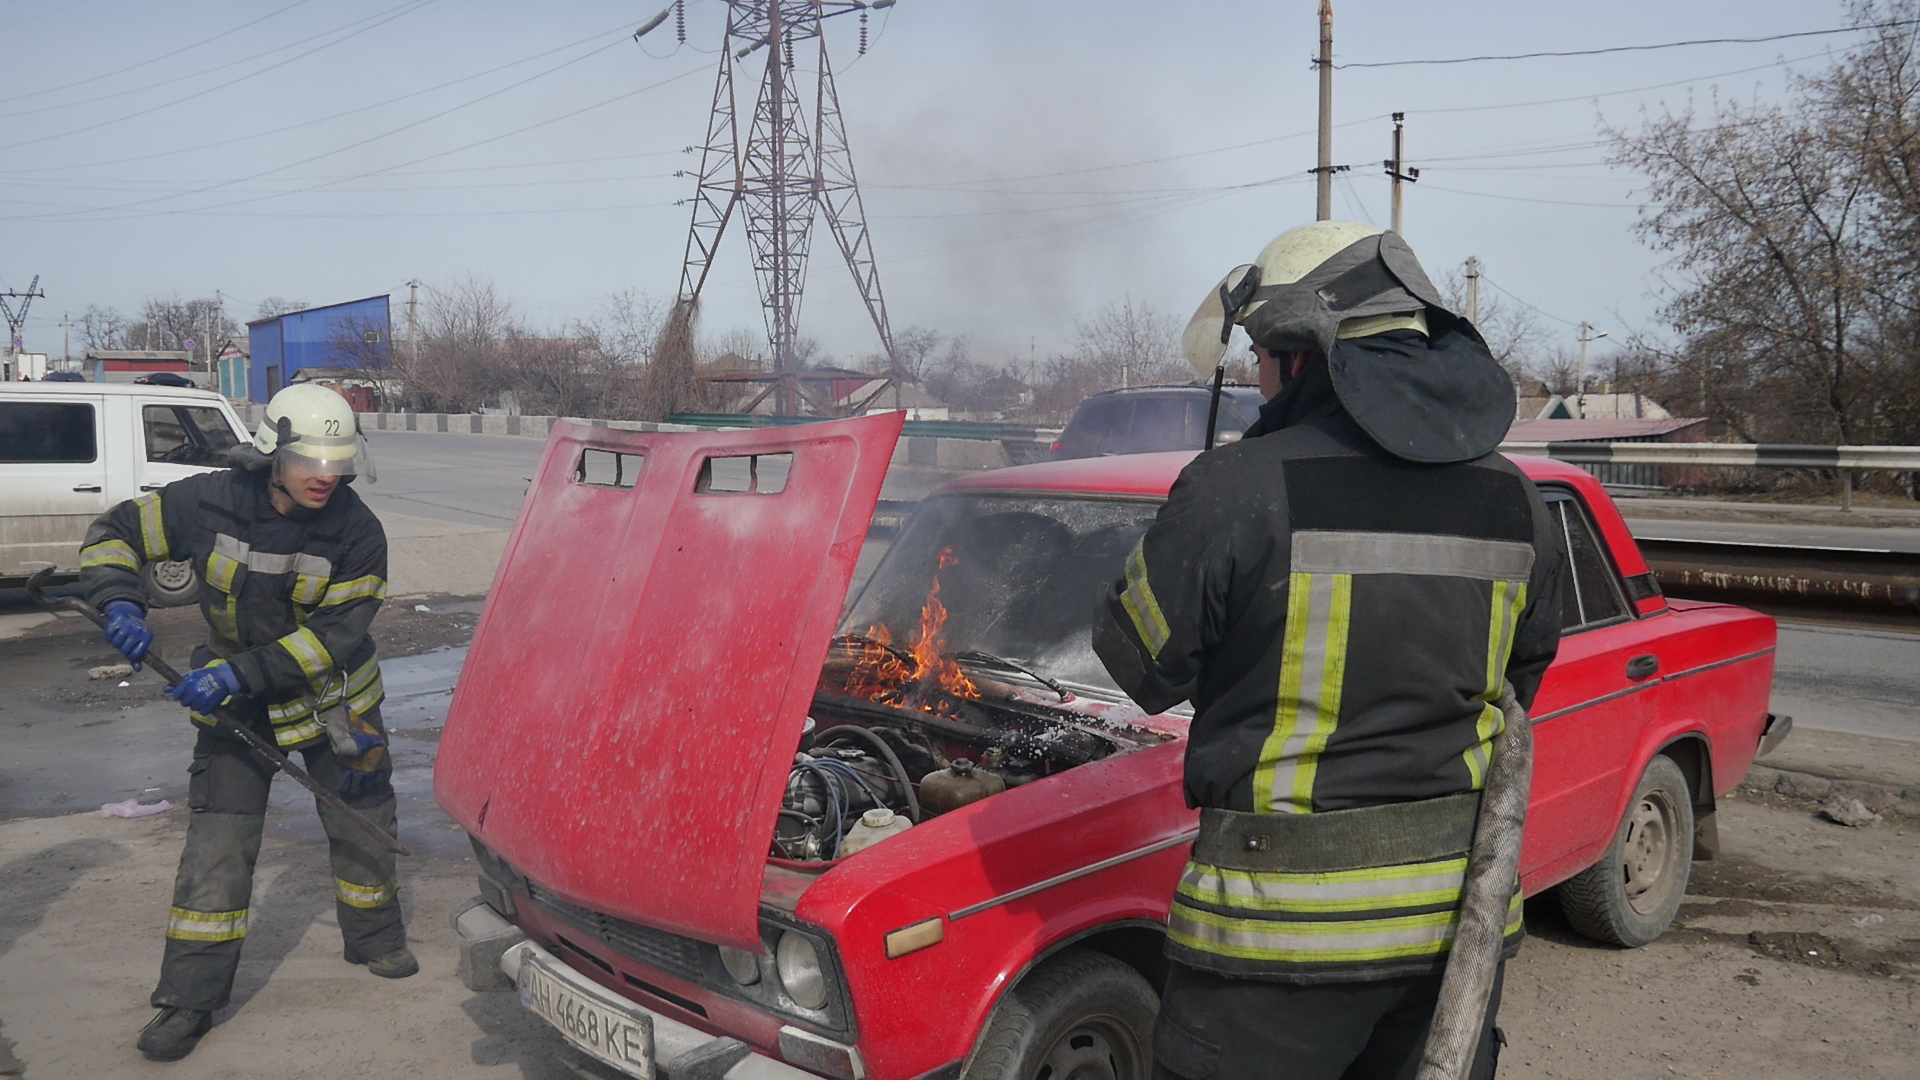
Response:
column 1341, row 595
column 292, row 567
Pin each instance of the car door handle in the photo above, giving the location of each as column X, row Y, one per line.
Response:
column 151, row 487
column 1642, row 666
column 86, row 487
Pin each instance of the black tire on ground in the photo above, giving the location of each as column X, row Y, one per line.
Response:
column 1631, row 895
column 1080, row 1015
column 171, row 584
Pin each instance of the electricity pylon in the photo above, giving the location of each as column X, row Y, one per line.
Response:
column 793, row 166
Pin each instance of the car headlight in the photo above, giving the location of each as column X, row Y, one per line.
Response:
column 799, row 967
column 743, row 966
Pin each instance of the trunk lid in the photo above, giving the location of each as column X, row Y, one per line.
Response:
column 636, row 687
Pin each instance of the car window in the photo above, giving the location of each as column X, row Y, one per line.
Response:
column 47, row 432
column 1160, row 423
column 1104, row 418
column 1592, row 596
column 188, row 435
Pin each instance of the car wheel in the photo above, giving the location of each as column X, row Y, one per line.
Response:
column 1081, row 1015
column 171, row 584
column 1632, row 894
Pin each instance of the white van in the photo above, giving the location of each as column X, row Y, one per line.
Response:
column 69, row 450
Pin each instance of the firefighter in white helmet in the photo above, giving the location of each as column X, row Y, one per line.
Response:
column 1342, row 595
column 293, row 566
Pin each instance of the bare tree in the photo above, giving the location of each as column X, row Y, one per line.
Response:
column 103, row 328
column 1512, row 332
column 278, row 305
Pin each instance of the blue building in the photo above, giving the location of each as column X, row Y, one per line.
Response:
column 356, row 334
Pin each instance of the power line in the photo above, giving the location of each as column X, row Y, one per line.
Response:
column 384, row 18
column 151, row 60
column 1523, row 303
column 1636, row 48
column 1523, row 198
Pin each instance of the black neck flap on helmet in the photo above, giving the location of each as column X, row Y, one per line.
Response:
column 1441, row 398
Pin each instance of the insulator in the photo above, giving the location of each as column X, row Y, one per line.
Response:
column 680, row 20
column 863, row 32
column 787, row 44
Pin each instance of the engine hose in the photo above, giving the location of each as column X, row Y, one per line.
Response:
column 892, row 759
column 1493, row 866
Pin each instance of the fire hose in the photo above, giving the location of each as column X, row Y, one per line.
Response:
column 224, row 721
column 1493, row 865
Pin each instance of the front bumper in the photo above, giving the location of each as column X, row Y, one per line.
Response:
column 491, row 951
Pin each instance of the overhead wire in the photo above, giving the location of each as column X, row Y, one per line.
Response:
column 1892, row 25
column 1537, row 310
column 150, row 60
column 396, row 12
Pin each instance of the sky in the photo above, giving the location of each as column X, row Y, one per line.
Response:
column 1022, row 162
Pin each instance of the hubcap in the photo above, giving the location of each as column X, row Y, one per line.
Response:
column 1096, row 1049
column 1646, row 855
column 172, row 576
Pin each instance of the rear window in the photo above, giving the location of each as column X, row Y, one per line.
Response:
column 47, row 432
column 1592, row 595
column 188, row 435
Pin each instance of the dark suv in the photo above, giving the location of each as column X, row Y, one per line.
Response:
column 1146, row 419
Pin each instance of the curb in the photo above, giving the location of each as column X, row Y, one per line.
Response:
column 1879, row 798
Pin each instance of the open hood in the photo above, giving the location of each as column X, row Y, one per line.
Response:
column 636, row 688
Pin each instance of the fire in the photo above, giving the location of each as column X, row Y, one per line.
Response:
column 924, row 676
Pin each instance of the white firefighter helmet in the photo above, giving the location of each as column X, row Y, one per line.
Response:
column 316, row 427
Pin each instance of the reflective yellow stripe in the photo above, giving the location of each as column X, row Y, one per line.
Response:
column 1509, row 598
column 346, row 592
column 307, row 651
column 364, row 896
column 1312, row 942
column 1141, row 605
column 225, row 617
column 153, row 532
column 1384, row 888
column 1313, row 670
column 221, row 570
column 294, row 722
column 307, row 730
column 307, row 589
column 184, row 925
column 110, row 553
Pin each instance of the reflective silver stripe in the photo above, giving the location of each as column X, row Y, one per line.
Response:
column 153, row 530
column 110, row 553
column 1382, row 888
column 1334, row 552
column 267, row 562
column 184, row 925
column 1141, row 605
column 360, row 588
column 1261, row 939
column 1310, row 692
column 307, row 651
column 363, row 896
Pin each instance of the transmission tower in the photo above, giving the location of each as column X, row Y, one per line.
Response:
column 16, row 320
column 793, row 166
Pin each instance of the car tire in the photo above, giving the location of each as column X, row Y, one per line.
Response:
column 1079, row 1014
column 1632, row 894
column 171, row 584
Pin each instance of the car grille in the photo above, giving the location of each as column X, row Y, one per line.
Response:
column 657, row 949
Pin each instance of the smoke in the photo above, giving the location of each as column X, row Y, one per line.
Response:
column 669, row 385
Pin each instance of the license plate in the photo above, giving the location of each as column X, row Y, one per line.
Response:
column 595, row 1020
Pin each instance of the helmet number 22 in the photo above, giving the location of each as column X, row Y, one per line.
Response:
column 333, row 427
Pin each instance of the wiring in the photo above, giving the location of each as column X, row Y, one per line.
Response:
column 151, row 60
column 1634, row 48
column 1523, row 303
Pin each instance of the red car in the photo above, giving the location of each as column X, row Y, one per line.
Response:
column 725, row 830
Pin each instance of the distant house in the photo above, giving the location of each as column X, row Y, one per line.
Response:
column 1003, row 394
column 366, row 391
column 1669, row 429
column 356, row 334
column 128, row 365
column 917, row 403
column 1589, row 406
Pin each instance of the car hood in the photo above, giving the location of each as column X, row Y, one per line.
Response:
column 638, row 682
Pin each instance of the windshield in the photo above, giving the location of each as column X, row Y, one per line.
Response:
column 1016, row 577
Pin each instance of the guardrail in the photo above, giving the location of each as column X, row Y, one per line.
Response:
column 1821, row 584
column 1726, row 455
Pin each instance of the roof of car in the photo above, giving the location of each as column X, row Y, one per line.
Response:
column 143, row 389
column 1152, row 475
column 1202, row 387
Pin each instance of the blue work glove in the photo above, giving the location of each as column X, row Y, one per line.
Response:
column 204, row 689
column 127, row 630
column 373, row 764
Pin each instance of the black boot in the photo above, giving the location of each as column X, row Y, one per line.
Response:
column 397, row 964
column 173, row 1033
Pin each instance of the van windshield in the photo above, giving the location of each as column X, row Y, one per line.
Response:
column 1015, row 577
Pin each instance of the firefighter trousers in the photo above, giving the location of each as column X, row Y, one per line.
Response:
column 1215, row 1028
column 227, row 791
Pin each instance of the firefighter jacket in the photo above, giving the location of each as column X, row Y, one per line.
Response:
column 288, row 599
column 1342, row 621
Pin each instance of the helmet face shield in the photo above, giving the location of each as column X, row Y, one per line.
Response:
column 329, row 455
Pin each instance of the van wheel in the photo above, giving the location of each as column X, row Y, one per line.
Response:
column 171, row 584
column 1081, row 1015
column 1632, row 894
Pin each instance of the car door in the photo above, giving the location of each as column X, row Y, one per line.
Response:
column 53, row 478
column 1590, row 708
column 178, row 438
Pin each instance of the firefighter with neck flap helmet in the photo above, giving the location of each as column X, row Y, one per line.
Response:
column 1342, row 595
column 293, row 566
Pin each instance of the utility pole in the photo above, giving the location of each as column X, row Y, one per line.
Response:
column 1323, row 173
column 66, row 345
column 1396, row 168
column 1473, row 290
column 1580, row 392
column 413, row 322
column 16, row 320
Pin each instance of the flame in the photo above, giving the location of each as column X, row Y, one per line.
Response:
column 924, row 676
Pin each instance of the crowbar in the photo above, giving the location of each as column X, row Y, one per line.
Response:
column 223, row 720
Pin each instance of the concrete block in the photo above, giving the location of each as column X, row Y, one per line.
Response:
column 970, row 455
